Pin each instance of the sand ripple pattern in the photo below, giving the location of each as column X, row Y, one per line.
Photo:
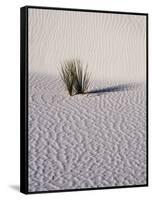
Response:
column 85, row 141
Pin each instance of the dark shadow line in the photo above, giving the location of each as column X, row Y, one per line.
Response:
column 122, row 87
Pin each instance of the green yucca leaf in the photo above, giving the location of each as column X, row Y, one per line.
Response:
column 75, row 78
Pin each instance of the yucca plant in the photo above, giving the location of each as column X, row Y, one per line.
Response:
column 75, row 78
column 67, row 74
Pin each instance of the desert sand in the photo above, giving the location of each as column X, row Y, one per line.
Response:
column 113, row 45
column 86, row 141
column 92, row 140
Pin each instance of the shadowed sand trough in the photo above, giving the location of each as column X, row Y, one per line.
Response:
column 85, row 141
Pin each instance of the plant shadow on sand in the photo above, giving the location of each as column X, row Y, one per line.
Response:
column 116, row 88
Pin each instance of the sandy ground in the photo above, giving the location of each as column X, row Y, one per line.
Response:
column 85, row 141
column 113, row 45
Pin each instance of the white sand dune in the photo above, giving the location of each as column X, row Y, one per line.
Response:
column 85, row 141
column 113, row 45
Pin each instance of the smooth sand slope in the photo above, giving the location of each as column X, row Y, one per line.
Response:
column 113, row 45
column 85, row 141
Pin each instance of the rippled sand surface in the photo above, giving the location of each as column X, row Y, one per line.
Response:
column 85, row 141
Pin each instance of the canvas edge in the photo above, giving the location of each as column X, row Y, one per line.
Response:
column 147, row 96
column 85, row 10
column 24, row 97
column 24, row 100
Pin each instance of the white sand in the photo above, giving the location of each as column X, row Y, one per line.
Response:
column 95, row 140
column 84, row 141
column 113, row 45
